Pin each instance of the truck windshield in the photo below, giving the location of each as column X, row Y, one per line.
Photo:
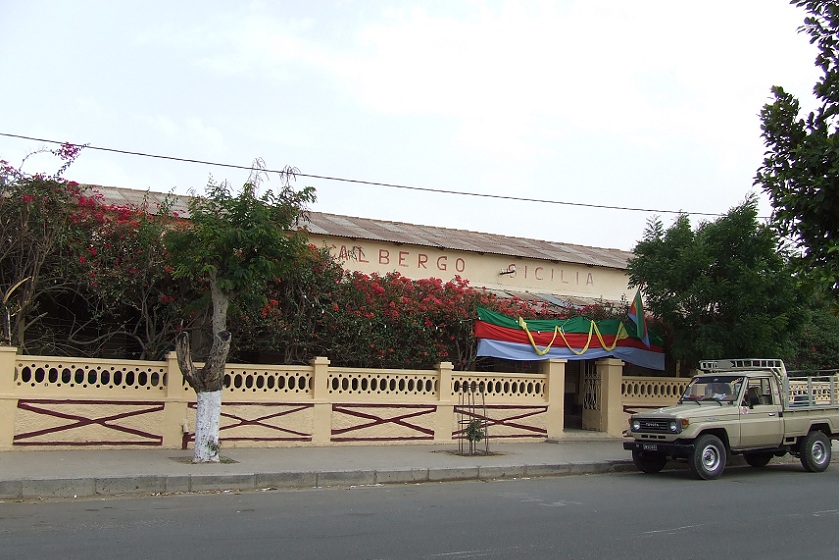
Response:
column 720, row 388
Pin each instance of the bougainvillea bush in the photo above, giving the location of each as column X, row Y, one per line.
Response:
column 80, row 276
column 382, row 321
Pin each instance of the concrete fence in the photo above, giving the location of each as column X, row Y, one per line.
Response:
column 49, row 402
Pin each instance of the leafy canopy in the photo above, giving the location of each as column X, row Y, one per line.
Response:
column 800, row 170
column 240, row 241
column 723, row 289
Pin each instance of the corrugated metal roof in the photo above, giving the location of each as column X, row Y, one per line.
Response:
column 464, row 240
column 333, row 225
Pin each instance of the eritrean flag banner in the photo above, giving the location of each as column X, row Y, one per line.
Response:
column 577, row 338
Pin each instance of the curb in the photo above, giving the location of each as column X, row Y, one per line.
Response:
column 29, row 489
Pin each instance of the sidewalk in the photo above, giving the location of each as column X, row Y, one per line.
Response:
column 109, row 472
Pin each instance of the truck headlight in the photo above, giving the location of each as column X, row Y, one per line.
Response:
column 635, row 425
column 675, row 427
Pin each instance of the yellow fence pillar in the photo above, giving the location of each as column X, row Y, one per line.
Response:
column 610, row 374
column 177, row 419
column 444, row 416
column 554, row 371
column 322, row 413
column 8, row 399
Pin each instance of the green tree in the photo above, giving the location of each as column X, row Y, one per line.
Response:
column 723, row 290
column 232, row 246
column 800, row 170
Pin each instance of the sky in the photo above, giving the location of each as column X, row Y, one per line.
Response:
column 571, row 104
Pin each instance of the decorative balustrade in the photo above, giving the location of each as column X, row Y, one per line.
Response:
column 268, row 382
column 501, row 387
column 60, row 401
column 367, row 384
column 34, row 374
column 48, row 401
column 658, row 391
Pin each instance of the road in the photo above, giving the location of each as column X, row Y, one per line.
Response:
column 776, row 512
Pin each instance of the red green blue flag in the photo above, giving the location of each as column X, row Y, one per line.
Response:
column 576, row 338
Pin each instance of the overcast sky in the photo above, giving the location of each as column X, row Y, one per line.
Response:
column 645, row 104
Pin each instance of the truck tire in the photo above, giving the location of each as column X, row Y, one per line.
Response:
column 649, row 463
column 708, row 459
column 815, row 452
column 757, row 459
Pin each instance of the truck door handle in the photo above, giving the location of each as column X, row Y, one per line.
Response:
column 771, row 414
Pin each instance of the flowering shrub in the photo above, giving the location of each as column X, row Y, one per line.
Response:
column 363, row 320
column 84, row 277
column 35, row 222
column 122, row 267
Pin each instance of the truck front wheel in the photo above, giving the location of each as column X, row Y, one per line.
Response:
column 815, row 452
column 708, row 459
column 648, row 462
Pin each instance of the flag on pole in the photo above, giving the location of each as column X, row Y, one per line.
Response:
column 636, row 313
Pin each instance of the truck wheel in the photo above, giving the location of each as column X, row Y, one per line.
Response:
column 648, row 462
column 708, row 459
column 758, row 459
column 815, row 452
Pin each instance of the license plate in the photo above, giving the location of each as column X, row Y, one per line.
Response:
column 650, row 447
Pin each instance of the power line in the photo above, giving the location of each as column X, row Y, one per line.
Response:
column 361, row 182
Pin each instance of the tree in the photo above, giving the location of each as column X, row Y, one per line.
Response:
column 723, row 290
column 800, row 170
column 36, row 214
column 816, row 344
column 232, row 246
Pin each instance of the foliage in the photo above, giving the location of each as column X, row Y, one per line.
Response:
column 365, row 320
column 800, row 171
column 723, row 290
column 35, row 222
column 121, row 264
column 475, row 431
column 92, row 277
column 232, row 246
column 816, row 346
column 239, row 241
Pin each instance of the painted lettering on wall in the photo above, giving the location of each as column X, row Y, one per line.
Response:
column 421, row 262
column 354, row 253
column 406, row 260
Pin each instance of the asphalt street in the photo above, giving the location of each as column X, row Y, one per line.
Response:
column 775, row 512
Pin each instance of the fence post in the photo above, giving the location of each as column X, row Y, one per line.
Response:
column 444, row 416
column 322, row 408
column 612, row 418
column 554, row 371
column 8, row 400
column 178, row 422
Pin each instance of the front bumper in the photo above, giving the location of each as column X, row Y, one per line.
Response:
column 671, row 449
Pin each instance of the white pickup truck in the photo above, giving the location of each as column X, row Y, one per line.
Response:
column 740, row 406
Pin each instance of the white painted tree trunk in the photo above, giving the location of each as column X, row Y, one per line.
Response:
column 207, row 417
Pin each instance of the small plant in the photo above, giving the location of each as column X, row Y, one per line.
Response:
column 475, row 431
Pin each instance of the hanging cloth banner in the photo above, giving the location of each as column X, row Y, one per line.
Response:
column 534, row 339
column 558, row 330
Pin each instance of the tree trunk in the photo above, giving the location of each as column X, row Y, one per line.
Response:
column 208, row 381
column 207, row 417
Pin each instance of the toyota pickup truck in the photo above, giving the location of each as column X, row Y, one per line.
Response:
column 748, row 407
